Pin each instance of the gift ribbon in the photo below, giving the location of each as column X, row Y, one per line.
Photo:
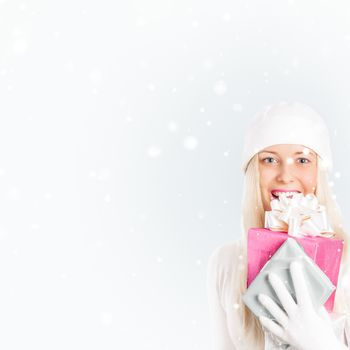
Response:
column 299, row 216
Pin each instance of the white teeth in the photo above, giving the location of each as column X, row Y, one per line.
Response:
column 287, row 194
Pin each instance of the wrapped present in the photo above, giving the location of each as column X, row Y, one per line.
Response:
column 303, row 219
column 272, row 342
column 319, row 285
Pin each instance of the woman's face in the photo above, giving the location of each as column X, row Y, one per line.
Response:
column 286, row 168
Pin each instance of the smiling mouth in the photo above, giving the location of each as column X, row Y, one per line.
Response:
column 277, row 194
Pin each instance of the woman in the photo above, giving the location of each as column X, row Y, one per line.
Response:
column 286, row 148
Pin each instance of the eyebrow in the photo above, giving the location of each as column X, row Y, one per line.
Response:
column 300, row 152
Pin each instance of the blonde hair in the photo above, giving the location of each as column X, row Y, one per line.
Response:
column 253, row 216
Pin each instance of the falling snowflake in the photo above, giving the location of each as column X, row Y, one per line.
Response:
column 220, row 87
column 92, row 174
column 195, row 24
column 306, row 151
column 20, row 46
column 106, row 318
column 68, row 66
column 154, row 151
column 190, row 78
column 143, row 216
column 99, row 243
column 95, row 76
column 237, row 107
column 151, row 87
column 200, row 215
column 47, row 195
column 140, row 22
column 3, row 233
column 14, row 193
column 226, row 17
column 172, row 126
column 207, row 64
column 104, row 174
column 22, row 6
column 143, row 63
column 190, row 142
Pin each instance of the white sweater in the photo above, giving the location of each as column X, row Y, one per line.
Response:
column 223, row 274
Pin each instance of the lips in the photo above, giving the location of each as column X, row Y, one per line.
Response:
column 289, row 193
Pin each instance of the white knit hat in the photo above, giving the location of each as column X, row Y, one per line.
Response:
column 287, row 123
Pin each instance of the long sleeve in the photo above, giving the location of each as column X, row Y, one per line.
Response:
column 342, row 299
column 216, row 276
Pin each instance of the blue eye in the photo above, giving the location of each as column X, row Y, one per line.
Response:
column 307, row 161
column 268, row 158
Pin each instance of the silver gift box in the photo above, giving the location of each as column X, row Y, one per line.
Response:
column 319, row 285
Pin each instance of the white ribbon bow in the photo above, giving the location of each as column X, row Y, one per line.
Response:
column 299, row 216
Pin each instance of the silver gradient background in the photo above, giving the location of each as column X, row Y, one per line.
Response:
column 120, row 135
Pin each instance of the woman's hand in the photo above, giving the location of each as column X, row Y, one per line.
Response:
column 301, row 325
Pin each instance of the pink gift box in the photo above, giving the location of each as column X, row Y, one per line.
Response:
column 326, row 252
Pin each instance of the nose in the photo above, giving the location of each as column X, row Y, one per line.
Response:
column 285, row 174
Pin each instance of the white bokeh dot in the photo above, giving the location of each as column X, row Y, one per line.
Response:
column 200, row 215
column 220, row 87
column 207, row 64
column 226, row 17
column 47, row 195
column 106, row 318
column 154, row 151
column 104, row 174
column 151, row 87
column 172, row 126
column 237, row 107
column 95, row 75
column 20, row 46
column 190, row 142
column 14, row 193
column 306, row 151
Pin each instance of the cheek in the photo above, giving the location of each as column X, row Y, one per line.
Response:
column 310, row 180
